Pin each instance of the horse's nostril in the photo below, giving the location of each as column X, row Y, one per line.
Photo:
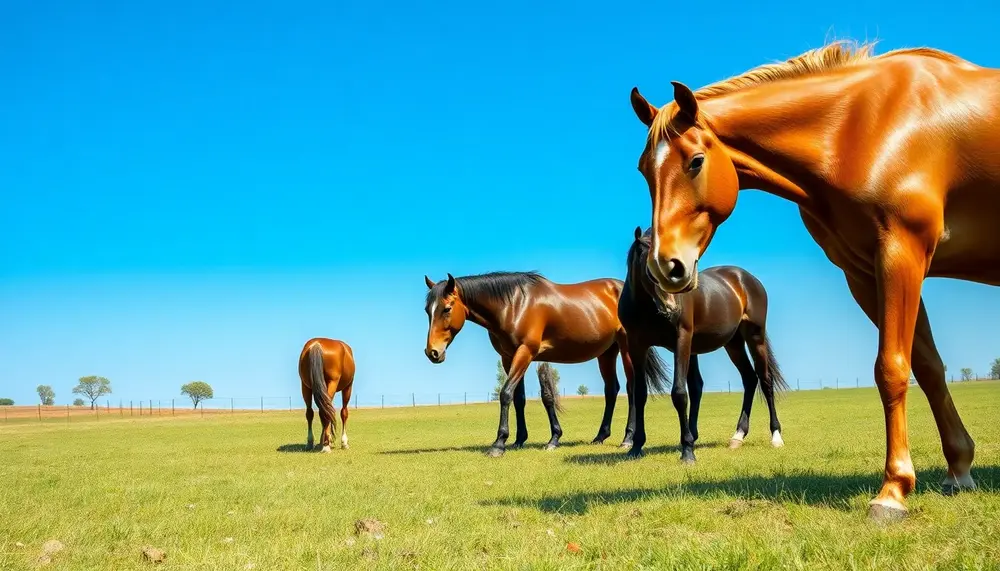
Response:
column 675, row 270
column 434, row 354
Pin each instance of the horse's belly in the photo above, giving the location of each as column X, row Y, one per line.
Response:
column 969, row 247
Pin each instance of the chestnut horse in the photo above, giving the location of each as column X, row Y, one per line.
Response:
column 326, row 366
column 894, row 162
column 530, row 318
column 729, row 309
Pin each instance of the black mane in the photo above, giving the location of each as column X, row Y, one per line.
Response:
column 495, row 286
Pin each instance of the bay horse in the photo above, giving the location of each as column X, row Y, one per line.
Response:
column 530, row 318
column 894, row 163
column 326, row 367
column 728, row 310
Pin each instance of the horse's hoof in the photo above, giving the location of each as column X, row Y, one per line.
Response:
column 598, row 440
column 688, row 459
column 951, row 485
column 517, row 445
column 883, row 513
column 551, row 445
column 776, row 440
column 635, row 453
column 734, row 444
column 625, row 445
column 326, row 449
column 495, row 452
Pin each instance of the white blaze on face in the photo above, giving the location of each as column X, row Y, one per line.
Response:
column 662, row 151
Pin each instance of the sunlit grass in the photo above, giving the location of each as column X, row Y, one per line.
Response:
column 237, row 493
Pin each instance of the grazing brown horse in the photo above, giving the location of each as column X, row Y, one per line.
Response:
column 530, row 318
column 729, row 309
column 326, row 366
column 894, row 162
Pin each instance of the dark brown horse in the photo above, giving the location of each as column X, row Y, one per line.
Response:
column 326, row 366
column 894, row 163
column 530, row 318
column 729, row 309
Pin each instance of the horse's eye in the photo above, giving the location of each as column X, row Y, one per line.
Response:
column 696, row 164
column 446, row 311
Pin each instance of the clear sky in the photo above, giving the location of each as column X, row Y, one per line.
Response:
column 190, row 190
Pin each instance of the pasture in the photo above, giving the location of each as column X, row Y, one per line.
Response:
column 238, row 491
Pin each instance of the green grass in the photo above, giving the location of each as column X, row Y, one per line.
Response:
column 105, row 489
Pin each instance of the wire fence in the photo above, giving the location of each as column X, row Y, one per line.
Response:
column 184, row 407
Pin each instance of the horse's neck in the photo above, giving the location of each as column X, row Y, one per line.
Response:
column 484, row 313
column 781, row 137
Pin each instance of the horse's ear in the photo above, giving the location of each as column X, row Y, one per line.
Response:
column 638, row 232
column 643, row 110
column 429, row 282
column 450, row 288
column 685, row 100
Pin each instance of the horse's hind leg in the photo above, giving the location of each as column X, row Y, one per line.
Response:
column 736, row 349
column 307, row 397
column 759, row 352
column 607, row 362
column 345, row 396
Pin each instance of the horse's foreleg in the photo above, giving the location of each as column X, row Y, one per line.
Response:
column 629, row 382
column 697, row 388
column 679, row 393
column 519, row 364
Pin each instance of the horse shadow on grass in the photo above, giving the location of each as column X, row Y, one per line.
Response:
column 482, row 448
column 837, row 491
column 622, row 456
column 298, row 447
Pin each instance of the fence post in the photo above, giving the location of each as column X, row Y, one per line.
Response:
column 289, row 404
column 232, row 405
column 729, row 383
column 797, row 386
column 439, row 399
column 857, row 382
column 130, row 408
column 172, row 408
column 67, row 413
column 838, row 382
column 39, row 413
column 383, row 401
column 262, row 404
column 414, row 396
column 465, row 399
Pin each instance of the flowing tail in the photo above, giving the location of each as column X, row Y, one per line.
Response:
column 550, row 392
column 773, row 380
column 659, row 379
column 318, row 378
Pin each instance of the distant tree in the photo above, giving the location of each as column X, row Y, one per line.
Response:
column 6, row 402
column 966, row 374
column 78, row 402
column 995, row 369
column 93, row 388
column 501, row 381
column 198, row 391
column 582, row 390
column 46, row 394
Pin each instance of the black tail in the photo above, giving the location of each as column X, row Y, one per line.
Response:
column 547, row 378
column 774, row 380
column 323, row 401
column 658, row 376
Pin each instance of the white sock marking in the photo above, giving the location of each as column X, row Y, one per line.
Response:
column 776, row 440
column 739, row 435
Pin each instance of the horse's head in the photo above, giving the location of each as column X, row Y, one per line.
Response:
column 639, row 281
column 446, row 315
column 693, row 185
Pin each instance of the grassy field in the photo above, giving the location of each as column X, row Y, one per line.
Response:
column 238, row 492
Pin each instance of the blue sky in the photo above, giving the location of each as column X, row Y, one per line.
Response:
column 191, row 190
